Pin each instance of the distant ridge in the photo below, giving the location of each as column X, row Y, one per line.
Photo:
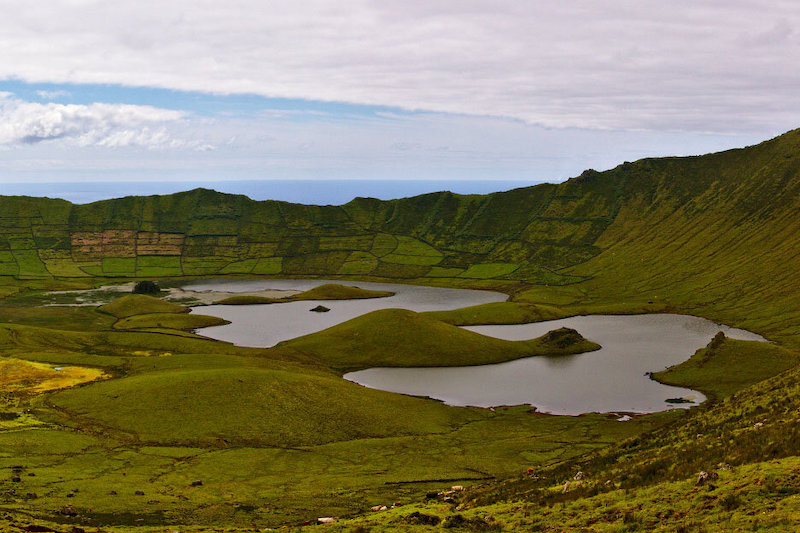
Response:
column 715, row 233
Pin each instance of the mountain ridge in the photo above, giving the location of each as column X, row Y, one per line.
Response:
column 706, row 234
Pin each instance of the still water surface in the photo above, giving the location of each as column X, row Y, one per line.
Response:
column 267, row 325
column 608, row 380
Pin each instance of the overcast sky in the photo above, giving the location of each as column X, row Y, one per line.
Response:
column 469, row 89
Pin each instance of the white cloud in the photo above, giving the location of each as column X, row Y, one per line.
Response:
column 698, row 65
column 401, row 146
column 53, row 95
column 104, row 125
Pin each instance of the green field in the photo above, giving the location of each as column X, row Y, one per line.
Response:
column 275, row 437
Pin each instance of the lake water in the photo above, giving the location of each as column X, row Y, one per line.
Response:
column 612, row 379
column 267, row 325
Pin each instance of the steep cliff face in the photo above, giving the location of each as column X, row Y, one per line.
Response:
column 524, row 234
column 718, row 233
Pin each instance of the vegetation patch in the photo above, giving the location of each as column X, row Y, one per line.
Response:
column 714, row 235
column 489, row 270
column 727, row 366
column 335, row 291
column 498, row 313
column 267, row 265
column 396, row 337
column 158, row 266
column 181, row 321
column 140, row 304
column 263, row 407
column 328, row 291
column 26, row 377
column 358, row 263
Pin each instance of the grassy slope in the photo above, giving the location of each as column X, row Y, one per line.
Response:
column 726, row 366
column 648, row 482
column 762, row 496
column 169, row 321
column 397, row 337
column 712, row 235
column 335, row 291
column 261, row 406
column 498, row 313
column 328, row 291
column 519, row 235
column 172, row 394
column 140, row 304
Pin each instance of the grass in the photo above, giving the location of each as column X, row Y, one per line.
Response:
column 264, row 407
column 179, row 321
column 67, row 318
column 712, row 235
column 327, row 291
column 140, row 304
column 274, row 486
column 489, row 270
column 498, row 313
column 396, row 337
column 727, row 366
column 31, row 378
column 675, row 506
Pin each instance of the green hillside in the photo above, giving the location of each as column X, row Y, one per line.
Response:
column 277, row 438
column 710, row 234
column 526, row 234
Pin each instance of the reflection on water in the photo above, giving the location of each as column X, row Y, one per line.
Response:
column 560, row 361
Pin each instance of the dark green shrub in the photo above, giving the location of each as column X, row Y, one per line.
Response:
column 146, row 287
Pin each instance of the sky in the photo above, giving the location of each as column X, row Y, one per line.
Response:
column 450, row 89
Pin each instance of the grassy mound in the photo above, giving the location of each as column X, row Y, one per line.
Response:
column 140, row 304
column 334, row 291
column 249, row 406
column 498, row 313
column 726, row 366
column 181, row 321
column 328, row 291
column 397, row 337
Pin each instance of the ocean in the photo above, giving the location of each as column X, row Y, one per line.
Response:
column 318, row 192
